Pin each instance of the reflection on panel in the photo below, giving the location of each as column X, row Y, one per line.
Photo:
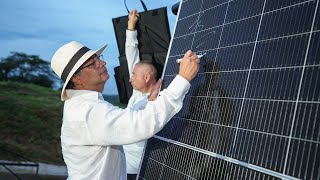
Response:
column 240, row 32
column 279, row 84
column 264, row 116
column 314, row 53
column 282, row 52
column 243, row 9
column 287, row 21
column 253, row 111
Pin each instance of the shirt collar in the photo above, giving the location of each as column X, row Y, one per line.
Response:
column 71, row 93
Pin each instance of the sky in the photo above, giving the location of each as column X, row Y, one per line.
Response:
column 40, row 27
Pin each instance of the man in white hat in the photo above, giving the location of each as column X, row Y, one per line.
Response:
column 93, row 130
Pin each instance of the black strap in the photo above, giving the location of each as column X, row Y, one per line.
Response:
column 125, row 3
column 143, row 5
column 72, row 62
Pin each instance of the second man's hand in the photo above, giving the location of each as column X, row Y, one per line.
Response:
column 132, row 19
column 155, row 91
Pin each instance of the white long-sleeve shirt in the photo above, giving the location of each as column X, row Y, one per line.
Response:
column 93, row 130
column 133, row 151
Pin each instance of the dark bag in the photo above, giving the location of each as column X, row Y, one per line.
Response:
column 153, row 37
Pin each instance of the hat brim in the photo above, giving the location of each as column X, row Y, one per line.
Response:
column 83, row 59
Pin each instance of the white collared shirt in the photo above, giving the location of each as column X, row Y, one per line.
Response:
column 133, row 151
column 93, row 131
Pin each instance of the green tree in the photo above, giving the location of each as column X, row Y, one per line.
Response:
column 28, row 69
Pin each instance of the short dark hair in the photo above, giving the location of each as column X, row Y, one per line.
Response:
column 70, row 84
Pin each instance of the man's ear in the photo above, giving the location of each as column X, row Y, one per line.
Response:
column 147, row 77
column 76, row 80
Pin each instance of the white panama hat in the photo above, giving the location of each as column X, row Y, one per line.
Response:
column 68, row 59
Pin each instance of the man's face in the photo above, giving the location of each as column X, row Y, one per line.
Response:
column 137, row 79
column 94, row 72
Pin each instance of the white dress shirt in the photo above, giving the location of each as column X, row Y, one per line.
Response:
column 93, row 130
column 133, row 151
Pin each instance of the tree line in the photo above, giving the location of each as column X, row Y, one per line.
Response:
column 26, row 68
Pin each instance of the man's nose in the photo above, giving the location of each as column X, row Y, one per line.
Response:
column 102, row 63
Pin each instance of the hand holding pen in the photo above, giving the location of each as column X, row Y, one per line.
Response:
column 199, row 56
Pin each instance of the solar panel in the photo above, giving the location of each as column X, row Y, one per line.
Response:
column 253, row 111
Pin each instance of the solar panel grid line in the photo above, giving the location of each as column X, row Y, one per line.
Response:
column 269, row 76
column 238, row 20
column 170, row 166
column 304, row 119
column 247, row 81
column 275, row 135
column 193, row 166
column 300, row 159
column 294, row 5
column 266, row 100
column 180, row 19
column 223, row 167
column 314, row 164
column 228, row 159
column 245, row 43
column 262, row 125
column 259, row 109
column 298, row 169
column 300, row 85
column 314, row 77
column 225, row 23
column 285, row 115
column 269, row 129
column 206, row 164
column 266, row 155
column 196, row 26
column 169, row 48
column 273, row 54
column 308, row 152
column 164, row 163
column 314, row 54
column 314, row 90
column 289, row 17
column 314, row 122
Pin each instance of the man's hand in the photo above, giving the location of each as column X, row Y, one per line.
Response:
column 133, row 18
column 189, row 66
column 155, row 91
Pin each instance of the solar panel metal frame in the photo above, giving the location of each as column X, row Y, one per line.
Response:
column 253, row 111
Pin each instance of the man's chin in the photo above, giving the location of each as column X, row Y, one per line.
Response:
column 133, row 86
column 104, row 77
column 107, row 77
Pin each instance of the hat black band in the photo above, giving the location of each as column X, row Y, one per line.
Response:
column 72, row 62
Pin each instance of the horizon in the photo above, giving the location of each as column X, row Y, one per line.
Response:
column 39, row 28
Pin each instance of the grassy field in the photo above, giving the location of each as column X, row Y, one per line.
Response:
column 30, row 123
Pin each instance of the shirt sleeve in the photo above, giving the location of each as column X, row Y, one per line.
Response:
column 132, row 51
column 141, row 104
column 108, row 125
